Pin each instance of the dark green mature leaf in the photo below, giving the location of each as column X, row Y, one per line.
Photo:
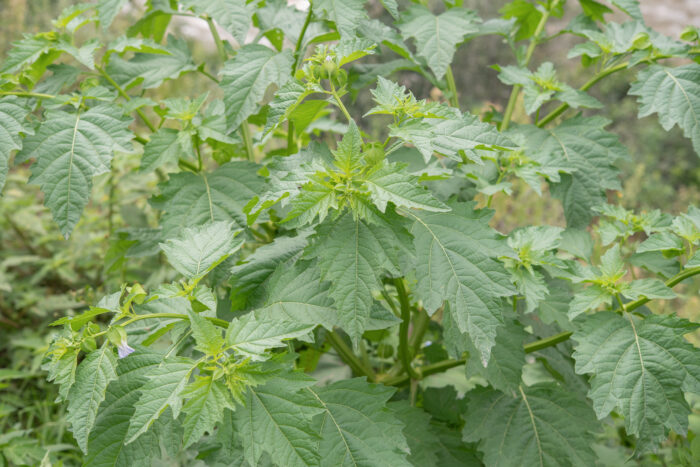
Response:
column 353, row 255
column 673, row 93
column 422, row 441
column 544, row 424
column 456, row 263
column 247, row 77
column 198, row 250
column 207, row 399
column 163, row 147
column 346, row 14
column 296, row 293
column 165, row 383
column 437, row 36
column 640, row 367
column 109, row 434
column 189, row 199
column 278, row 419
column 70, row 149
column 12, row 123
column 356, row 427
column 152, row 69
column 91, row 380
column 581, row 145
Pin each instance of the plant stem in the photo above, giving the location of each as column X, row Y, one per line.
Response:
column 297, row 56
column 675, row 280
column 404, row 351
column 340, row 105
column 346, row 355
column 420, row 325
column 217, row 39
column 590, row 83
column 452, row 87
column 247, row 140
column 126, row 96
column 510, row 107
column 547, row 342
column 427, row 370
column 27, row 94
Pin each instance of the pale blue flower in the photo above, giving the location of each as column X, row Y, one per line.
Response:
column 123, row 349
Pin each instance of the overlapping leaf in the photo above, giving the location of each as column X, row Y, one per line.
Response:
column 12, row 124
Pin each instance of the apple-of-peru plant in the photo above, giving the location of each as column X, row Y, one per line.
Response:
column 298, row 230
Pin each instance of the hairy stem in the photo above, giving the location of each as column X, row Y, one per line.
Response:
column 217, row 39
column 510, row 107
column 404, row 350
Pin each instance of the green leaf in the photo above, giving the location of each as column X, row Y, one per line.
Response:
column 25, row 52
column 640, row 368
column 422, row 441
column 286, row 99
column 527, row 17
column 631, row 7
column 189, row 199
column 353, row 255
column 198, row 250
column 662, row 241
column 348, row 155
column 206, row 335
column 277, row 419
column 71, row 149
column 456, row 263
column 253, row 334
column 12, row 122
column 232, row 15
column 356, row 427
column 247, row 77
column 207, row 399
column 391, row 183
column 582, row 146
column 543, row 423
column 648, row 288
column 163, row 148
column 437, row 36
column 165, row 383
column 249, row 274
column 296, row 293
column 346, row 14
column 152, row 69
column 91, row 380
column 108, row 436
column 674, row 94
column 107, row 10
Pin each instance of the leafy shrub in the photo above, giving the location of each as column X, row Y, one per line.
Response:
column 297, row 241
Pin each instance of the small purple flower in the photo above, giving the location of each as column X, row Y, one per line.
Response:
column 123, row 349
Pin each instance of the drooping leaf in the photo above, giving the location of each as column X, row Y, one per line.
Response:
column 152, row 69
column 162, row 391
column 346, row 14
column 278, row 419
column 12, row 124
column 673, row 93
column 189, row 199
column 437, row 36
column 353, row 255
column 544, row 423
column 582, row 146
column 356, row 427
column 247, row 77
column 91, row 380
column 70, row 149
column 639, row 367
column 198, row 250
column 207, row 399
column 456, row 263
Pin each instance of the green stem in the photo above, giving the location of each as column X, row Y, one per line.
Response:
column 27, row 94
column 675, row 280
column 420, row 326
column 195, row 143
column 216, row 321
column 297, row 56
column 340, row 105
column 427, row 370
column 510, row 107
column 126, row 96
column 452, row 87
column 347, row 355
column 247, row 140
column 404, row 351
column 217, row 39
column 547, row 342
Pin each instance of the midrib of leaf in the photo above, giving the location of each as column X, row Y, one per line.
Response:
column 70, row 164
column 279, row 428
column 534, row 425
column 357, row 263
column 211, row 203
column 337, row 426
column 563, row 147
column 641, row 364
column 685, row 94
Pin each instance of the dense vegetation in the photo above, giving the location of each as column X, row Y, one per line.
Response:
column 290, row 257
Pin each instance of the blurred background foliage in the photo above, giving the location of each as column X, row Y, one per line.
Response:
column 42, row 275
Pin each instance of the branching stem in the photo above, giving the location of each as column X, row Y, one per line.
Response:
column 404, row 350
